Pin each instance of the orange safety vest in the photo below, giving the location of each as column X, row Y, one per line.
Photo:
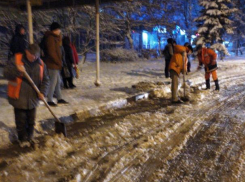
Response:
column 176, row 62
column 15, row 85
column 207, row 57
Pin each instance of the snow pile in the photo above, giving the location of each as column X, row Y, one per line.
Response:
column 161, row 92
column 119, row 54
column 145, row 86
column 150, row 86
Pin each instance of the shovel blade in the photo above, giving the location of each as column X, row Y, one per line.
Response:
column 60, row 128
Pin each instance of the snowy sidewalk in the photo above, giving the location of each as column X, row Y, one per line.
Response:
column 116, row 78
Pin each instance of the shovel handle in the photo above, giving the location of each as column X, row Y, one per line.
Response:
column 38, row 91
column 184, row 72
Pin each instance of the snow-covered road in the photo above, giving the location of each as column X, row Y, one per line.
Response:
column 151, row 140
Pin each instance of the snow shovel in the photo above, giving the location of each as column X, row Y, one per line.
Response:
column 59, row 126
column 184, row 84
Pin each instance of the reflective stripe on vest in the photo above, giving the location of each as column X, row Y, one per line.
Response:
column 15, row 85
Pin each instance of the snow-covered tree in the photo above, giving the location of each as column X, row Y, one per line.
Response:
column 189, row 10
column 214, row 22
column 160, row 13
column 79, row 24
column 126, row 16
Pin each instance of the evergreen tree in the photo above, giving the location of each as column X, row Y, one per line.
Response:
column 214, row 22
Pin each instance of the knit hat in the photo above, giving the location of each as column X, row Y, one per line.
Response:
column 55, row 26
column 18, row 28
column 186, row 44
column 170, row 40
column 199, row 46
column 34, row 49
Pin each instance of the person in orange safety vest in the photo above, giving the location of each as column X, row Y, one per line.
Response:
column 208, row 57
column 178, row 62
column 21, row 94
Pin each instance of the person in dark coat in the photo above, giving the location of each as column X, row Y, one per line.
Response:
column 21, row 95
column 53, row 60
column 168, row 53
column 69, row 62
column 189, row 60
column 18, row 43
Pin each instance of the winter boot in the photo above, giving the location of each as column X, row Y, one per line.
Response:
column 207, row 84
column 216, row 84
column 70, row 81
column 30, row 132
column 65, row 83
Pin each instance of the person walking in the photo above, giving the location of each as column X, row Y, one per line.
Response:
column 18, row 43
column 208, row 58
column 69, row 63
column 168, row 53
column 53, row 60
column 177, row 64
column 21, row 94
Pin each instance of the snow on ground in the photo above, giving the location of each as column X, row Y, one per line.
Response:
column 151, row 140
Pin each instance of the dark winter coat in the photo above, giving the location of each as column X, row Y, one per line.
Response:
column 168, row 51
column 28, row 98
column 53, row 56
column 68, row 55
column 18, row 43
column 69, row 59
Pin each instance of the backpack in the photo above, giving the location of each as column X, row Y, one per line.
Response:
column 166, row 53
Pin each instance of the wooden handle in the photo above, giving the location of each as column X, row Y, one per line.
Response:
column 184, row 74
column 37, row 90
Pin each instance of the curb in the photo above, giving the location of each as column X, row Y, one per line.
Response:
column 104, row 108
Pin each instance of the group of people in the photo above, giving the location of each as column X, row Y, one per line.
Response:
column 177, row 61
column 45, row 67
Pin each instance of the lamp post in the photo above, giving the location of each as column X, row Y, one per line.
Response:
column 30, row 27
column 97, row 82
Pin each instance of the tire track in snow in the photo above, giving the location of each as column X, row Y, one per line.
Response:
column 234, row 99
